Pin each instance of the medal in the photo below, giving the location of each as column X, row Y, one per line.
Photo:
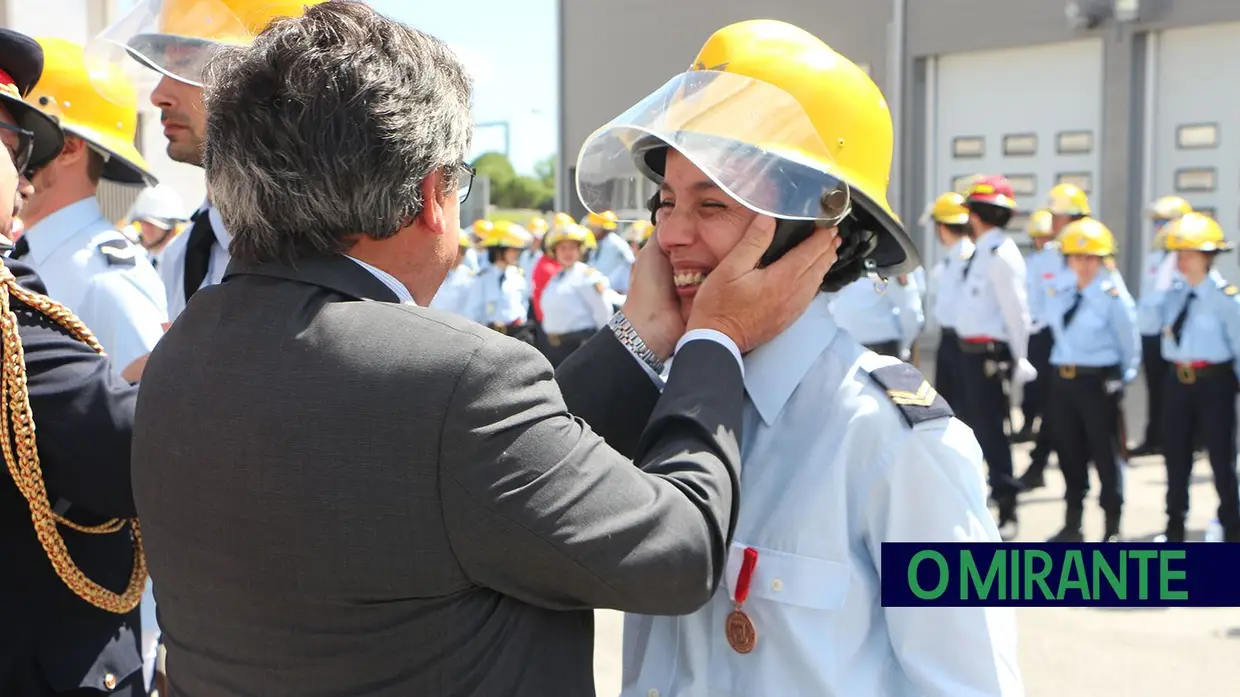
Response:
column 741, row 633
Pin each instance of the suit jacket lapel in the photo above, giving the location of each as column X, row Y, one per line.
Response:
column 332, row 271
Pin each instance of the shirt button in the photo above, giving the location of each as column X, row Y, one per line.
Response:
column 109, row 681
column 777, row 585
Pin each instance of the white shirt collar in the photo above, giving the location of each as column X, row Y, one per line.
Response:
column 773, row 370
column 388, row 280
column 46, row 236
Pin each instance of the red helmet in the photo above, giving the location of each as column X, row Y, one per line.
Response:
column 993, row 189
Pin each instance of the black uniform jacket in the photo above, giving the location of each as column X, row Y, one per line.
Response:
column 83, row 417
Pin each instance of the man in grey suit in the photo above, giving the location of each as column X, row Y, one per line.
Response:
column 343, row 492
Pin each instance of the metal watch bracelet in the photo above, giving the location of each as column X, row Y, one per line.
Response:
column 624, row 331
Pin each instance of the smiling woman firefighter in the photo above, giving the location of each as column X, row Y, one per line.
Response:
column 842, row 449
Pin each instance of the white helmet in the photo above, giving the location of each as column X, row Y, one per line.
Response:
column 160, row 205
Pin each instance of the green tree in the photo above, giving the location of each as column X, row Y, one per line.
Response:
column 496, row 167
column 512, row 190
column 544, row 170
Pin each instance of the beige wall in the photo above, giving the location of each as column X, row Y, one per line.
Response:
column 615, row 53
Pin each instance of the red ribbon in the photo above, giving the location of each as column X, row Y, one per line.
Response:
column 6, row 79
column 746, row 574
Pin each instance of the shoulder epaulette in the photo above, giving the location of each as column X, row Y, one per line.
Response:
column 1231, row 290
column 119, row 252
column 909, row 390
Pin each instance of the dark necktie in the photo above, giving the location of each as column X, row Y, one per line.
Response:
column 1076, row 305
column 198, row 252
column 1177, row 327
column 968, row 264
column 21, row 248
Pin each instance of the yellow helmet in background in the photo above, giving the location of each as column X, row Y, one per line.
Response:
column 67, row 91
column 948, row 209
column 778, row 120
column 506, row 234
column 568, row 233
column 607, row 220
column 463, row 239
column 562, row 219
column 178, row 37
column 591, row 242
column 538, row 226
column 1169, row 208
column 482, row 227
column 1068, row 199
column 1087, row 237
column 1195, row 232
column 639, row 232
column 1040, row 224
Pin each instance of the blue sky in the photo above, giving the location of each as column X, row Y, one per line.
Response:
column 510, row 47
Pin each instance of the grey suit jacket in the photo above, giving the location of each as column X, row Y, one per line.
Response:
column 342, row 495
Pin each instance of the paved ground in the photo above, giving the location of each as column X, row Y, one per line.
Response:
column 1086, row 652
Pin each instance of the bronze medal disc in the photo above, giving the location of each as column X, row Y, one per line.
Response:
column 742, row 635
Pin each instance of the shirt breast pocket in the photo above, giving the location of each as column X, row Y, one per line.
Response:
column 790, row 579
column 799, row 610
column 1093, row 319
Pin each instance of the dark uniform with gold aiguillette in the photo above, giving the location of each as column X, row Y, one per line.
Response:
column 71, row 484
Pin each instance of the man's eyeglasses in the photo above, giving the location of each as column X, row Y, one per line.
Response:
column 466, row 182
column 20, row 143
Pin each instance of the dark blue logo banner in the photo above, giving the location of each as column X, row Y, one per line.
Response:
column 1066, row 575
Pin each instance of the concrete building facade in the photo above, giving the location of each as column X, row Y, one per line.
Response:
column 1131, row 99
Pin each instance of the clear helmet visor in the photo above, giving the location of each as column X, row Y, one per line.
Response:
column 157, row 38
column 749, row 137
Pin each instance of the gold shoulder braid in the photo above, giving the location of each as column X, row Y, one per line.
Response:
column 16, row 417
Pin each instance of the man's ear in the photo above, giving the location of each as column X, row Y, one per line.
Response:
column 75, row 148
column 433, row 214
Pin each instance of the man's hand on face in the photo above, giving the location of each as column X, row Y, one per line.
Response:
column 652, row 306
column 751, row 305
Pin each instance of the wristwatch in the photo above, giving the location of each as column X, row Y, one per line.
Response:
column 624, row 331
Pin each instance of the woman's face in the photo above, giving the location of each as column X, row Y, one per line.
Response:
column 1192, row 263
column 568, row 252
column 1085, row 267
column 698, row 225
column 512, row 256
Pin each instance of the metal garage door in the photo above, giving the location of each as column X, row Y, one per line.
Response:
column 1196, row 124
column 1030, row 113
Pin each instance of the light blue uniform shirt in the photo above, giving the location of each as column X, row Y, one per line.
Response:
column 908, row 297
column 994, row 303
column 1154, row 275
column 867, row 315
column 172, row 262
column 1041, row 269
column 474, row 260
column 453, row 294
column 948, row 277
column 499, row 297
column 1103, row 332
column 614, row 259
column 572, row 301
column 831, row 470
column 1212, row 330
column 101, row 276
column 873, row 317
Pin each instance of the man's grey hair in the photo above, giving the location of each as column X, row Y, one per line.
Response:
column 326, row 127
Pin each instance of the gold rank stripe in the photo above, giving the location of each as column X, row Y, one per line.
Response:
column 923, row 397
